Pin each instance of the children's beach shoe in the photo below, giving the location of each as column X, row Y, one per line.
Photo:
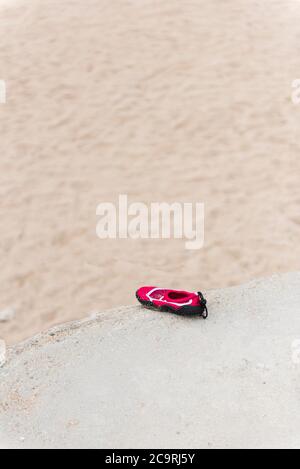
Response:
column 174, row 301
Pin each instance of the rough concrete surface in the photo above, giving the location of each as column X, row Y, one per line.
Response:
column 132, row 377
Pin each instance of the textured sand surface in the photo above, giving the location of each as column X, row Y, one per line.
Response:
column 163, row 101
column 131, row 378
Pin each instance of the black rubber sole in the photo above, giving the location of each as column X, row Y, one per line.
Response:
column 183, row 311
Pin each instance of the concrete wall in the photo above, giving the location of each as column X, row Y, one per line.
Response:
column 136, row 378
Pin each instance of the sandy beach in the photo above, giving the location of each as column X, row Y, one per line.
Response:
column 162, row 101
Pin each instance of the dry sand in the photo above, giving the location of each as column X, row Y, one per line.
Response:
column 163, row 101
